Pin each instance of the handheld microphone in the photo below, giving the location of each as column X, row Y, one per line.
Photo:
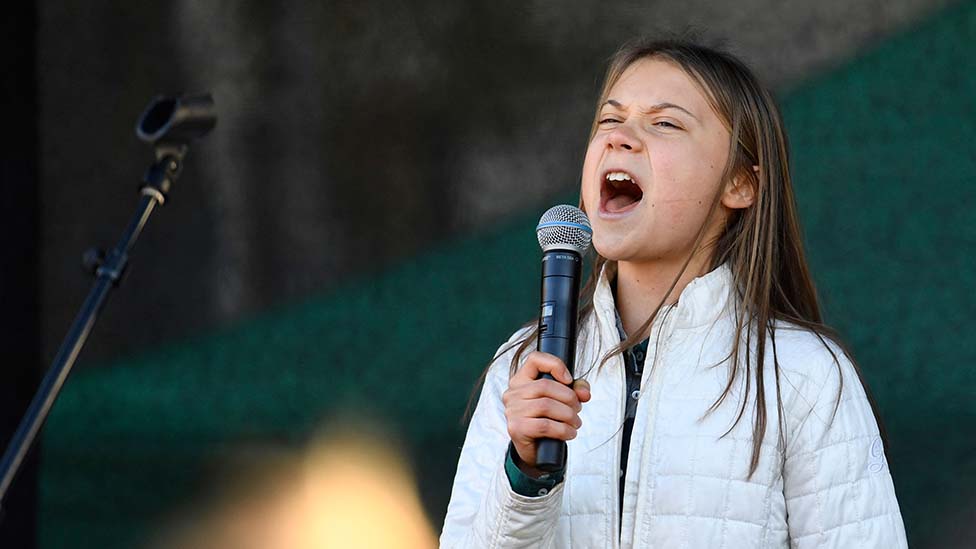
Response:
column 564, row 234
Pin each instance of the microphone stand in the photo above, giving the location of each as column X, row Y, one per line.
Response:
column 169, row 124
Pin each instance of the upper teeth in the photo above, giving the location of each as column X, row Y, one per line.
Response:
column 618, row 176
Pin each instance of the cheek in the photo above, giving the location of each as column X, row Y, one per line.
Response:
column 671, row 178
column 687, row 176
column 589, row 185
column 685, row 185
column 593, row 151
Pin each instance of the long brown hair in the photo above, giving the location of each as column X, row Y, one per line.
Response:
column 762, row 244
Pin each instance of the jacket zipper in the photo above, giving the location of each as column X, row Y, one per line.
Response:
column 650, row 383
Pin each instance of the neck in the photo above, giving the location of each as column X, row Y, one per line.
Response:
column 642, row 286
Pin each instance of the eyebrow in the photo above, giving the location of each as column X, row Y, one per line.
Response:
column 653, row 108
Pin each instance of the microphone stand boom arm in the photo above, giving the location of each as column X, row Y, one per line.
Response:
column 169, row 124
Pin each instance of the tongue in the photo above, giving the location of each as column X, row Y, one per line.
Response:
column 620, row 202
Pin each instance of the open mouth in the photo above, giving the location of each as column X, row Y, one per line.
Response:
column 619, row 192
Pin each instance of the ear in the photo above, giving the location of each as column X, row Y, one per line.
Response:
column 740, row 192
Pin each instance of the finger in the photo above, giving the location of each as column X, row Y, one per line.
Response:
column 545, row 408
column 538, row 363
column 547, row 388
column 582, row 389
column 530, row 429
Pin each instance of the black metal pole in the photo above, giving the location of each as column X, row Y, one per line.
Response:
column 107, row 277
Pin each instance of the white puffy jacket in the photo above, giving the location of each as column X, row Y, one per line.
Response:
column 686, row 485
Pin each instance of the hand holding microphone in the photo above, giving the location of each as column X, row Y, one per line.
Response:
column 542, row 410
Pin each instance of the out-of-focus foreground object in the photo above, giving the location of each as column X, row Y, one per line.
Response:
column 347, row 491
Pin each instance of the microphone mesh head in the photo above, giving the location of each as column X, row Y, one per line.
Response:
column 564, row 228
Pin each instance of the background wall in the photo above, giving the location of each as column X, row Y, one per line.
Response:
column 323, row 255
column 352, row 134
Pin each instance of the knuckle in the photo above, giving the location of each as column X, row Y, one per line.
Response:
column 543, row 361
column 551, row 386
column 515, row 429
column 541, row 408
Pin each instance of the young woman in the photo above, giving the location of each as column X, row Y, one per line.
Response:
column 712, row 408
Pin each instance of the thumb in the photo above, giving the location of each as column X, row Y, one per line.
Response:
column 582, row 388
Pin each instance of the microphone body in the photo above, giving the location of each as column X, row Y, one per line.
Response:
column 561, row 272
column 564, row 235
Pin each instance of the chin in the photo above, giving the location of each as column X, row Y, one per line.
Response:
column 614, row 251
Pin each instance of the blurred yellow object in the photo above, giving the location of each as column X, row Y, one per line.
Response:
column 347, row 492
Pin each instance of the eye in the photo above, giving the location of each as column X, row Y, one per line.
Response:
column 666, row 124
column 609, row 121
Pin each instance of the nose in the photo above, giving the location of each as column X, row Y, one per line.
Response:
column 624, row 138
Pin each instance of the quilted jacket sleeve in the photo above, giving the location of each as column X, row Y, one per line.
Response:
column 484, row 512
column 839, row 492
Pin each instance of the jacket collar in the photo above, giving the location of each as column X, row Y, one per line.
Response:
column 702, row 301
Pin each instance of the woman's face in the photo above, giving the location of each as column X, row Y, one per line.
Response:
column 653, row 166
